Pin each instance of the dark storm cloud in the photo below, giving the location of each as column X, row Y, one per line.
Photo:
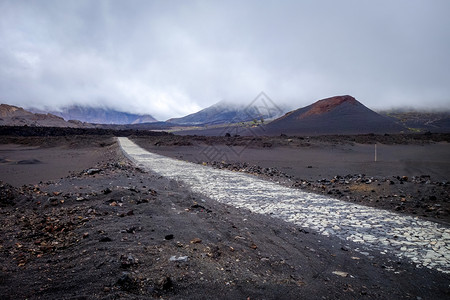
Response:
column 170, row 58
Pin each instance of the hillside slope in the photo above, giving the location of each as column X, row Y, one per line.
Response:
column 420, row 121
column 11, row 115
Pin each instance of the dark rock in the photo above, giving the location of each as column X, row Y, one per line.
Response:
column 140, row 201
column 127, row 261
column 134, row 189
column 29, row 162
column 165, row 283
column 53, row 201
column 214, row 252
column 7, row 194
column 126, row 282
column 106, row 191
column 152, row 192
column 132, row 229
column 105, row 239
column 168, row 237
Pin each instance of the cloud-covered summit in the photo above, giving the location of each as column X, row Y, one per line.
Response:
column 172, row 58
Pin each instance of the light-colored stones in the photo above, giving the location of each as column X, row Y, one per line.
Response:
column 423, row 242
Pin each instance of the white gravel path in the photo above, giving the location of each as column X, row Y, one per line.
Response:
column 425, row 243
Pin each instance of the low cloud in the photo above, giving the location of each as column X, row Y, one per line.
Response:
column 171, row 59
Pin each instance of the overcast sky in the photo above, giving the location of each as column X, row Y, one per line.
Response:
column 171, row 58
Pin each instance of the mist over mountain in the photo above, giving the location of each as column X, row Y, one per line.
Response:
column 101, row 115
column 225, row 112
column 334, row 115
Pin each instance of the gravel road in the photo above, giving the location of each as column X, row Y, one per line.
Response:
column 425, row 243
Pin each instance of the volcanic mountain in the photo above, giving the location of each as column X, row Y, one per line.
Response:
column 225, row 112
column 335, row 115
column 101, row 115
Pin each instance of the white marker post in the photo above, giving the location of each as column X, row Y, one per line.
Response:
column 375, row 152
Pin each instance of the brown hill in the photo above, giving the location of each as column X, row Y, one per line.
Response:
column 11, row 111
column 11, row 115
column 335, row 115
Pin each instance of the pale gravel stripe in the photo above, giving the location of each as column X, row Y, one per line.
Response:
column 423, row 242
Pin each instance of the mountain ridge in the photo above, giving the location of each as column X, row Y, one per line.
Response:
column 97, row 115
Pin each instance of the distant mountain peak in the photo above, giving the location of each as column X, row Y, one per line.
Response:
column 327, row 105
column 225, row 112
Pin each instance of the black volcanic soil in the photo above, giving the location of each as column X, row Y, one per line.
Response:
column 33, row 159
column 112, row 231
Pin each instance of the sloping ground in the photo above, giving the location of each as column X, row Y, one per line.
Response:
column 421, row 121
column 335, row 115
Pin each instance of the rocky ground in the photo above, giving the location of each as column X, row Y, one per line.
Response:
column 113, row 231
column 418, row 195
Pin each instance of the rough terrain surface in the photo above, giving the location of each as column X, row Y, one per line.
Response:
column 113, row 231
column 411, row 174
column 425, row 243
